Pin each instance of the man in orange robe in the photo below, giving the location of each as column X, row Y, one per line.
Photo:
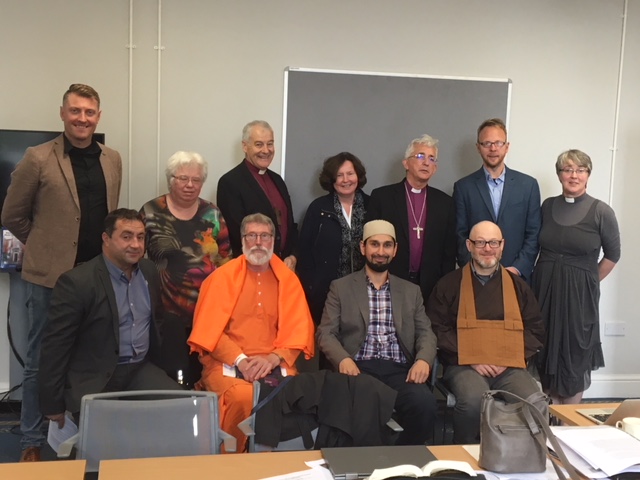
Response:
column 251, row 318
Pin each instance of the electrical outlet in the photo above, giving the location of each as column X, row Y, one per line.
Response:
column 615, row 329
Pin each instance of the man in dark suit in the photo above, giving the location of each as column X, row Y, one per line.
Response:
column 503, row 196
column 60, row 193
column 423, row 217
column 102, row 329
column 375, row 323
column 252, row 188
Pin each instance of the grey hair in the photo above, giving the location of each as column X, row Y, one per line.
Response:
column 257, row 218
column 246, row 131
column 578, row 157
column 425, row 139
column 182, row 159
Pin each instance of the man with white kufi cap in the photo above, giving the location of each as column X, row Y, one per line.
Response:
column 374, row 323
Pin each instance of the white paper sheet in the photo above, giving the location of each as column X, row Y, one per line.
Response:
column 58, row 435
column 317, row 471
column 607, row 448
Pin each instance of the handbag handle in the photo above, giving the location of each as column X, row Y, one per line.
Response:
column 562, row 458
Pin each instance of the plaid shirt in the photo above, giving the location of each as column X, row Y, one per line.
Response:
column 381, row 341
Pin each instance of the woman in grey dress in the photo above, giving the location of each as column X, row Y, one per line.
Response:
column 567, row 276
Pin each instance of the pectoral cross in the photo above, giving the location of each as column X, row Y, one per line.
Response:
column 418, row 229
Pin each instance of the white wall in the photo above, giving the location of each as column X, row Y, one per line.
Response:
column 222, row 65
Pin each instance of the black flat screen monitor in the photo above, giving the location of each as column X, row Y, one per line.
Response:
column 13, row 144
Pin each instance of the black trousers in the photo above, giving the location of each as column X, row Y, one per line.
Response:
column 174, row 352
column 415, row 405
column 130, row 377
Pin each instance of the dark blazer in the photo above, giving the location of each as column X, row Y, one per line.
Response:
column 80, row 343
column 439, row 251
column 42, row 208
column 345, row 319
column 518, row 218
column 349, row 411
column 240, row 195
column 319, row 251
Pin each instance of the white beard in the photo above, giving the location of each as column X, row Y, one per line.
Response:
column 257, row 255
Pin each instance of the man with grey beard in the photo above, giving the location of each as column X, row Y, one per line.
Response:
column 251, row 321
column 488, row 325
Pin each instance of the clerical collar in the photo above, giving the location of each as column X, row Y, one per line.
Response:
column 414, row 190
column 575, row 199
column 254, row 168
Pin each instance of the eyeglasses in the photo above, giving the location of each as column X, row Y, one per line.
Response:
column 185, row 180
column 498, row 144
column 252, row 237
column 483, row 243
column 421, row 157
column 571, row 171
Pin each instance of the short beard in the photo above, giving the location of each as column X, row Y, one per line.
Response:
column 256, row 259
column 377, row 267
column 487, row 263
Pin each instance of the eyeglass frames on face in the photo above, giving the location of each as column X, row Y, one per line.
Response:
column 252, row 237
column 487, row 145
column 483, row 243
column 571, row 171
column 421, row 157
column 184, row 179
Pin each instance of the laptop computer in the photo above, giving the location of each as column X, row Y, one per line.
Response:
column 351, row 463
column 609, row 416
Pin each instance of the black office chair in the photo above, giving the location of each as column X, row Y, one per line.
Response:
column 450, row 399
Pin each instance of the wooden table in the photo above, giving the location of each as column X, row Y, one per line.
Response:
column 54, row 470
column 243, row 466
column 454, row 452
column 240, row 466
column 570, row 417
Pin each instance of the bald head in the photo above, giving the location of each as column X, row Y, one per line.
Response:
column 485, row 228
column 485, row 244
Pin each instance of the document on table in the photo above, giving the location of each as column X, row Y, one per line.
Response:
column 606, row 448
column 318, row 471
column 58, row 435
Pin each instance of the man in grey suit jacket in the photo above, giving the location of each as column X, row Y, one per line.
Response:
column 503, row 196
column 374, row 323
column 103, row 325
column 59, row 195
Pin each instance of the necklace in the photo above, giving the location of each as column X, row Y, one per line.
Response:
column 417, row 228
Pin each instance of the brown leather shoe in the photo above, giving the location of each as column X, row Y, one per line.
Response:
column 30, row 454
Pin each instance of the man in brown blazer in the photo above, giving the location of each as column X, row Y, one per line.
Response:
column 59, row 195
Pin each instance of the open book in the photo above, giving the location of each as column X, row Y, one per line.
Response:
column 430, row 468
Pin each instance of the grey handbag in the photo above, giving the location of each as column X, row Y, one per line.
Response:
column 513, row 435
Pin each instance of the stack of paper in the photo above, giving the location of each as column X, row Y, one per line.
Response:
column 600, row 451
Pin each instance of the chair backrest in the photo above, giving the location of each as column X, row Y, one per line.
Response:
column 149, row 423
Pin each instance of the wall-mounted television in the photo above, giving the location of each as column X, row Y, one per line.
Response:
column 13, row 144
